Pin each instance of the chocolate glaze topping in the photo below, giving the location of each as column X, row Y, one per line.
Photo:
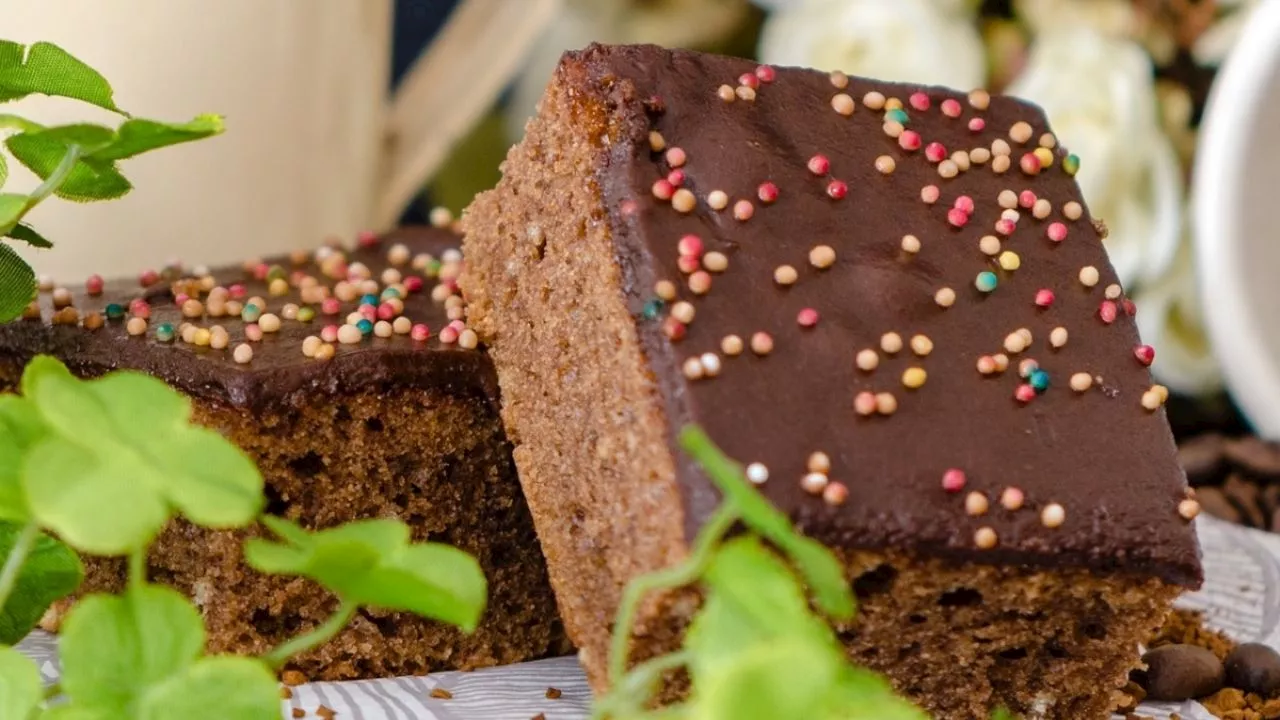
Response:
column 1105, row 459
column 279, row 373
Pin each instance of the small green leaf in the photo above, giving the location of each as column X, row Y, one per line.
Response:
column 138, row 136
column 773, row 680
column 12, row 206
column 20, row 685
column 90, row 179
column 20, row 428
column 17, row 284
column 87, row 136
column 114, row 649
column 215, row 689
column 372, row 563
column 821, row 570
column 51, row 572
column 28, row 235
column 46, row 69
column 21, row 124
column 4, row 170
column 121, row 454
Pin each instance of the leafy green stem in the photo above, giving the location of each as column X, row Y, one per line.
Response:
column 137, row 569
column 17, row 556
column 53, row 691
column 683, row 574
column 56, row 178
column 633, row 692
column 301, row 644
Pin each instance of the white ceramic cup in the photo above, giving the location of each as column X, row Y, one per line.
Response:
column 315, row 145
column 1237, row 219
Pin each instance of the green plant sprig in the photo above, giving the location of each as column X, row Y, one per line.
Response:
column 78, row 162
column 755, row 649
column 104, row 465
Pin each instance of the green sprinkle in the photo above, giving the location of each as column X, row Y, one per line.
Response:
column 390, row 293
column 306, row 314
column 114, row 311
column 1039, row 380
column 251, row 313
column 276, row 273
column 433, row 268
column 164, row 332
column 1071, row 164
column 653, row 309
column 365, row 326
column 986, row 281
column 897, row 115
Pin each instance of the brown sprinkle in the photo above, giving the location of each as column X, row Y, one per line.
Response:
column 298, row 713
column 326, row 712
column 553, row 693
column 293, row 678
column 441, row 694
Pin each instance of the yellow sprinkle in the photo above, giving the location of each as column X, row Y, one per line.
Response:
column 1009, row 260
column 914, row 377
column 1045, row 155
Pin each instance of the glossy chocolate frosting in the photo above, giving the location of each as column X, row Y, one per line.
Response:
column 1109, row 462
column 279, row 374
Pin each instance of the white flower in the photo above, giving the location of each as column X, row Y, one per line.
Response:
column 673, row 23
column 1099, row 95
column 1116, row 18
column 1170, row 320
column 923, row 41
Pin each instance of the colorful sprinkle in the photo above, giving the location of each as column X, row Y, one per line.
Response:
column 1058, row 337
column 767, row 192
column 1011, row 498
column 842, row 104
column 985, row 281
column 1071, row 164
column 1081, row 382
column 891, row 342
column 1044, row 298
column 914, row 377
column 761, row 343
column 807, row 317
column 886, row 403
column 757, row 473
column 1145, row 354
column 910, row 244
column 864, row 403
column 945, row 297
column 975, row 504
column 819, row 165
column 1107, row 311
column 953, row 480
column 1056, row 232
column 731, row 345
column 1024, row 393
column 921, row 345
column 1039, row 380
column 837, row 189
column 165, row 333
column 867, row 360
column 985, row 538
column 1053, row 515
column 243, row 353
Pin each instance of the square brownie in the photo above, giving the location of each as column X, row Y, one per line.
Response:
column 391, row 418
column 890, row 304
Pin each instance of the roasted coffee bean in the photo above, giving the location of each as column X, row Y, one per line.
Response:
column 1254, row 457
column 1204, row 459
column 1181, row 672
column 1254, row 668
column 1246, row 496
column 1214, row 502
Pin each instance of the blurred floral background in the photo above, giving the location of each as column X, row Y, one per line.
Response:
column 1124, row 83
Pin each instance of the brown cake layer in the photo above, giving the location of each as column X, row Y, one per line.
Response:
column 389, row 427
column 611, row 330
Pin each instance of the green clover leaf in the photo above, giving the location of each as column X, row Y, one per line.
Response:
column 51, row 572
column 90, row 179
column 20, row 685
column 121, row 455
column 46, row 69
column 372, row 563
column 815, row 562
column 115, row 649
column 215, row 688
column 774, row 680
column 17, row 283
column 20, row 428
column 4, row 170
column 28, row 235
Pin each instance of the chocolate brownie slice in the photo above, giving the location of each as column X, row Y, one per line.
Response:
column 384, row 419
column 890, row 304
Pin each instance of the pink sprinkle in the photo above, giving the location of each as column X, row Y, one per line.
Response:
column 367, row 238
column 237, row 291
column 663, row 189
column 676, row 157
column 1129, row 308
column 953, row 480
column 964, row 203
column 951, row 108
column 1026, row 198
column 1057, row 232
column 690, row 245
column 451, row 284
column 930, row 194
column 687, row 263
column 140, row 308
column 1107, row 311
column 807, row 317
column 766, row 73
column 1030, row 164
column 935, row 152
column 1012, row 498
column 260, row 271
column 180, row 298
column 1024, row 394
column 330, row 306
column 676, row 178
column 458, row 325
column 977, row 125
column 448, row 335
column 767, row 192
column 420, row 332
column 957, row 217
column 329, row 333
column 743, row 210
column 919, row 101
column 864, row 403
column 819, row 165
column 1044, row 297
column 909, row 140
column 148, row 278
column 253, row 332
column 386, row 311
column 1145, row 354
column 837, row 189
column 94, row 285
column 413, row 284
column 628, row 207
column 1005, row 226
column 750, row 80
